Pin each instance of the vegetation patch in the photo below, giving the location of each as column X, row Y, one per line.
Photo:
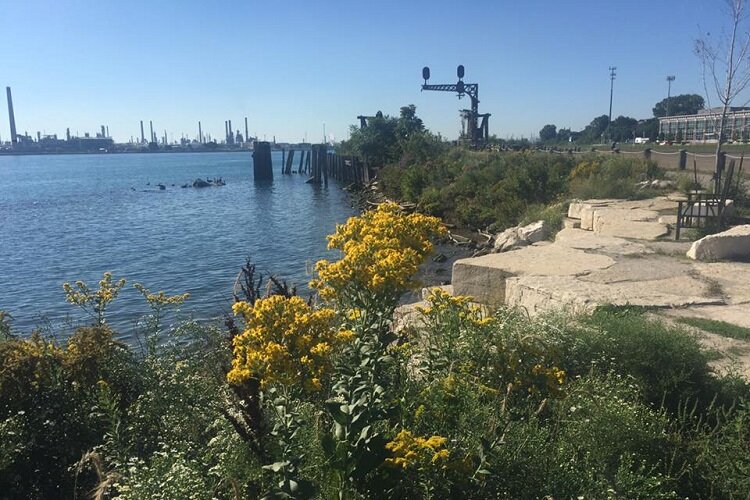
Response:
column 718, row 327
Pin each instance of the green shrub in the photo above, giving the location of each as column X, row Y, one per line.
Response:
column 612, row 177
column 667, row 362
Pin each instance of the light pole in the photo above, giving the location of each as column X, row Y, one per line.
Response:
column 670, row 79
column 612, row 75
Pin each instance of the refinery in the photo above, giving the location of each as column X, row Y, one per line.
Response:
column 101, row 141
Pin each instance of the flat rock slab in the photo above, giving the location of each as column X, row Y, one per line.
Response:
column 539, row 294
column 645, row 270
column 483, row 278
column 732, row 277
column 669, row 247
column 731, row 244
column 586, row 240
column 628, row 223
column 658, row 204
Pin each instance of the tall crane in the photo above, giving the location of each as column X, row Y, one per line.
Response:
column 478, row 134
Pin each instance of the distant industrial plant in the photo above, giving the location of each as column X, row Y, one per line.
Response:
column 102, row 142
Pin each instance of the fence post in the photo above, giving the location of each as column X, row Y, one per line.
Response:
column 647, row 154
column 683, row 159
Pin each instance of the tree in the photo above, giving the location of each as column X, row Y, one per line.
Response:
column 594, row 130
column 648, row 128
column 564, row 135
column 623, row 128
column 384, row 138
column 684, row 104
column 725, row 62
column 548, row 133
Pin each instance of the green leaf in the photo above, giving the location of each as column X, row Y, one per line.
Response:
column 338, row 412
column 328, row 443
column 276, row 466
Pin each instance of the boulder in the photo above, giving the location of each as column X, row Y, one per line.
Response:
column 505, row 240
column 534, row 232
column 733, row 244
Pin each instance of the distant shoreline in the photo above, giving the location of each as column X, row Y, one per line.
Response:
column 56, row 153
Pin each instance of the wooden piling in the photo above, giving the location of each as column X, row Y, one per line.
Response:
column 262, row 166
column 289, row 160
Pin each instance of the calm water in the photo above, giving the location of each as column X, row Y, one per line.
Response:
column 64, row 218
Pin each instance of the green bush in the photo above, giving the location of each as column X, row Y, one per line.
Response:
column 612, row 177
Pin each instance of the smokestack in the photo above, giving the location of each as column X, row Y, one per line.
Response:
column 13, row 135
column 200, row 133
column 231, row 133
column 107, row 131
column 247, row 137
column 103, row 134
column 67, row 134
column 151, row 126
column 143, row 136
column 226, row 131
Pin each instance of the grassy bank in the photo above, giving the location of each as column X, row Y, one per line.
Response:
column 324, row 399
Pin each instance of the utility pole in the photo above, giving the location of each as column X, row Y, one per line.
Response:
column 670, row 79
column 612, row 75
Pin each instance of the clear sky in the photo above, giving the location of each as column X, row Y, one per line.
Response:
column 293, row 66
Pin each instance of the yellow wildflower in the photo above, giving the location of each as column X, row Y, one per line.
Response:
column 382, row 250
column 285, row 341
column 410, row 451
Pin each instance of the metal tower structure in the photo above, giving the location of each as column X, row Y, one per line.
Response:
column 478, row 134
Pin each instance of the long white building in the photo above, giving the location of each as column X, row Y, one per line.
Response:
column 704, row 126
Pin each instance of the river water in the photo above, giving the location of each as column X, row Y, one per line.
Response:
column 70, row 217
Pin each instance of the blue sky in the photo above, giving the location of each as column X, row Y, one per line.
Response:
column 291, row 66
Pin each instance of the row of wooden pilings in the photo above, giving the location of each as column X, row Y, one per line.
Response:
column 316, row 162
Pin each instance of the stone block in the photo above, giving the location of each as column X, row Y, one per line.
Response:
column 731, row 244
column 483, row 278
column 534, row 232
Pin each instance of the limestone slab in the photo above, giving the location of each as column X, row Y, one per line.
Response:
column 483, row 278
column 732, row 277
column 628, row 223
column 587, row 240
column 576, row 207
column 645, row 270
column 539, row 294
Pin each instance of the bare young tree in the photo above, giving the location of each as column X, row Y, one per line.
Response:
column 726, row 67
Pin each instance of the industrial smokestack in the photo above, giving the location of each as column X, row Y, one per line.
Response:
column 226, row 131
column 13, row 135
column 151, row 126
column 107, row 131
column 67, row 134
column 200, row 133
column 247, row 137
column 143, row 136
column 231, row 132
column 103, row 134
